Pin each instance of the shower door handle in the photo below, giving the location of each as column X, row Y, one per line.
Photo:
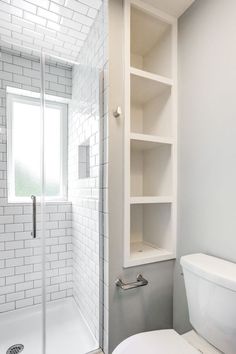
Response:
column 33, row 232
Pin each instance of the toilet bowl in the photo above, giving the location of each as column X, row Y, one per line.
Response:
column 211, row 293
column 165, row 341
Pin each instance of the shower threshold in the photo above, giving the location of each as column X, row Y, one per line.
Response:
column 66, row 329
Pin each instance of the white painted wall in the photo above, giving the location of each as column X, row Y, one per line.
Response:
column 207, row 138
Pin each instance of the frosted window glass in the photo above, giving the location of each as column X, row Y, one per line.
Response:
column 26, row 149
column 52, row 137
column 26, row 144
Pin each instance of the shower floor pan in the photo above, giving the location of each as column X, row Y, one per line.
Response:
column 66, row 329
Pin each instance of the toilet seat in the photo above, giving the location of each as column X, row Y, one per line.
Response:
column 155, row 342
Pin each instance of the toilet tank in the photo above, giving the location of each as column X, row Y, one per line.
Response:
column 211, row 293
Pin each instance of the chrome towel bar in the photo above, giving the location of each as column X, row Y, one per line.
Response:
column 127, row 286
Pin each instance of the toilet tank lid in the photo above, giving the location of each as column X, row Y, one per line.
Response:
column 214, row 269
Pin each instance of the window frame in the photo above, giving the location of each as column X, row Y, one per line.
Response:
column 52, row 102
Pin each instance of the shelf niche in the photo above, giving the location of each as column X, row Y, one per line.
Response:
column 150, row 232
column 150, row 43
column 151, row 170
column 150, row 134
column 151, row 107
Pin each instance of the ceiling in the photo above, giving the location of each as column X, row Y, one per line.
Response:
column 58, row 26
column 172, row 7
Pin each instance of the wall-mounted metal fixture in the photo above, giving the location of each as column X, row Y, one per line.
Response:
column 127, row 286
column 117, row 112
column 33, row 233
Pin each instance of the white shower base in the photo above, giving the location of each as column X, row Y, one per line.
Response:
column 67, row 331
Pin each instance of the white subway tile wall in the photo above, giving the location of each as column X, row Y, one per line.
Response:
column 20, row 255
column 60, row 26
column 72, row 243
column 84, row 126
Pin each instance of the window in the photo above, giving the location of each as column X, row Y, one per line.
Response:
column 24, row 148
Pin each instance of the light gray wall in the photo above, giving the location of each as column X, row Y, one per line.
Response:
column 207, row 137
column 150, row 307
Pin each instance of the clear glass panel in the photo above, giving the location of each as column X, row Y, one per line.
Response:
column 49, row 251
column 20, row 177
column 72, row 229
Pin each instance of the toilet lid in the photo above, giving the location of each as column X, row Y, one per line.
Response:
column 155, row 342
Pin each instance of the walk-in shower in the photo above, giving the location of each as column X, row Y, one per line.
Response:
column 51, row 169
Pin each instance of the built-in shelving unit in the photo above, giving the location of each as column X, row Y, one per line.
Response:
column 150, row 134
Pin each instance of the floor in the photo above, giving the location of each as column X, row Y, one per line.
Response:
column 199, row 343
column 67, row 331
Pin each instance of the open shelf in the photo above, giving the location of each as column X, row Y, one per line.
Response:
column 151, row 170
column 150, row 228
column 150, row 43
column 151, row 106
column 141, row 253
column 147, row 86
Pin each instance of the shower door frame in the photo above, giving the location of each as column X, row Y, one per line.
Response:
column 43, row 228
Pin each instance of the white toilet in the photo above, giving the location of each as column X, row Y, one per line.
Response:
column 211, row 292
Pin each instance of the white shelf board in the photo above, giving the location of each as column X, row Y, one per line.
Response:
column 150, row 76
column 146, row 86
column 151, row 200
column 143, row 253
column 145, row 141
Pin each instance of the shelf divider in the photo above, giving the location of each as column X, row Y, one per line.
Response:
column 154, row 77
column 151, row 200
column 151, row 138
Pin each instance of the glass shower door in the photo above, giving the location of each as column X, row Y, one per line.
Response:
column 72, row 158
column 50, row 249
column 21, row 196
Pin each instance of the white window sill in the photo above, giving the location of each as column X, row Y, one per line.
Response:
column 29, row 201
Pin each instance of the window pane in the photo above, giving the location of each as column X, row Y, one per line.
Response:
column 26, row 149
column 52, row 151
